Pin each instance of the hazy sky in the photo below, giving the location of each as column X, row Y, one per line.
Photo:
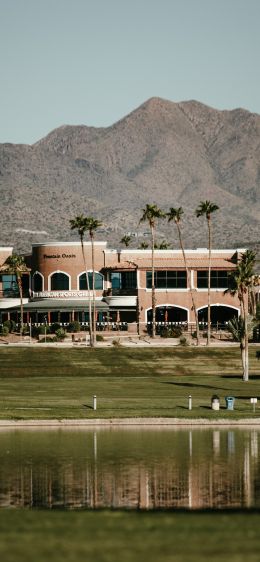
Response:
column 93, row 61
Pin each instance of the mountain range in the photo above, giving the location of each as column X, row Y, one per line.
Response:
column 171, row 154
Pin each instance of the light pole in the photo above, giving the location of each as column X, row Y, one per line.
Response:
column 45, row 328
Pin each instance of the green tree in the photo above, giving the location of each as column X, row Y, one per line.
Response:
column 126, row 240
column 15, row 265
column 151, row 214
column 175, row 214
column 143, row 246
column 206, row 208
column 80, row 224
column 240, row 282
column 92, row 225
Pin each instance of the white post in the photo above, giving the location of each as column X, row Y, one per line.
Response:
column 190, row 402
column 94, row 402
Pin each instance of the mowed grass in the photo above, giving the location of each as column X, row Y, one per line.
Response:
column 60, row 383
column 105, row 536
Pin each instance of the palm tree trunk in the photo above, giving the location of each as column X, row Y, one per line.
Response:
column 88, row 290
column 189, row 284
column 153, row 286
column 93, row 289
column 209, row 273
column 245, row 359
column 20, row 287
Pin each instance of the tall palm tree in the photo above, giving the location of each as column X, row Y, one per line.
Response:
column 15, row 265
column 206, row 208
column 151, row 213
column 240, row 283
column 175, row 214
column 92, row 225
column 79, row 224
column 126, row 240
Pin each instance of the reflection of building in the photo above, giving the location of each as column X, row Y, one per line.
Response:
column 57, row 286
column 60, row 469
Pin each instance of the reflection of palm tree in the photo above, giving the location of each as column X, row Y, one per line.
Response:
column 15, row 265
column 150, row 214
column 79, row 224
column 92, row 225
column 175, row 215
column 206, row 208
column 240, row 282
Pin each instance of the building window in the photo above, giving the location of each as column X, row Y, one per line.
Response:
column 167, row 279
column 60, row 282
column 9, row 286
column 98, row 281
column 123, row 279
column 37, row 283
column 218, row 279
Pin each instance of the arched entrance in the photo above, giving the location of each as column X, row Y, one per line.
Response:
column 168, row 314
column 219, row 314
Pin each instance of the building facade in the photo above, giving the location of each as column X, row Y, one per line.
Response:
column 56, row 289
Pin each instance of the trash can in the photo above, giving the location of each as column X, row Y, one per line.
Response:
column 215, row 402
column 230, row 401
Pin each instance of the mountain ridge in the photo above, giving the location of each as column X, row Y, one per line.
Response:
column 174, row 154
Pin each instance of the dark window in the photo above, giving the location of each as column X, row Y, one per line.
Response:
column 37, row 282
column 98, row 281
column 9, row 286
column 123, row 279
column 218, row 279
column 167, row 279
column 59, row 282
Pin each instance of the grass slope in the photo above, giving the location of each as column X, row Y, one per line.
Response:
column 60, row 383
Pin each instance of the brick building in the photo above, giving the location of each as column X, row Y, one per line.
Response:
column 56, row 290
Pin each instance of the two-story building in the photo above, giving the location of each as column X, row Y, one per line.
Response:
column 56, row 290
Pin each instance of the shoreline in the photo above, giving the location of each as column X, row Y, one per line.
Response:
column 129, row 422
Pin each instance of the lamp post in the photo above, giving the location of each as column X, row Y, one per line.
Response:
column 45, row 328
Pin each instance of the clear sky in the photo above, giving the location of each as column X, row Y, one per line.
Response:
column 93, row 61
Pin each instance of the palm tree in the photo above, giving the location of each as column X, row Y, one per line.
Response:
column 175, row 214
column 150, row 214
column 79, row 224
column 206, row 208
column 143, row 246
column 240, row 282
column 15, row 265
column 126, row 240
column 92, row 225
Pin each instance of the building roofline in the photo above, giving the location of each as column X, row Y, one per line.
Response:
column 69, row 243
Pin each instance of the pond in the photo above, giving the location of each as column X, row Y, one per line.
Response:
column 130, row 468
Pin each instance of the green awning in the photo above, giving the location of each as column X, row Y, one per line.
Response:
column 63, row 305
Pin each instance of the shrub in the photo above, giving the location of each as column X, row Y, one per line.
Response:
column 4, row 331
column 54, row 327
column 39, row 330
column 174, row 332
column 99, row 337
column 11, row 325
column 60, row 334
column 74, row 327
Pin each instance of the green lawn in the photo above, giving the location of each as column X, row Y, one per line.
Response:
column 104, row 536
column 59, row 383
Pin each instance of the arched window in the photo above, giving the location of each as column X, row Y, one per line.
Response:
column 60, row 282
column 37, row 282
column 98, row 281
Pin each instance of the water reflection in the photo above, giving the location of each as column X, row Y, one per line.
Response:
column 141, row 469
